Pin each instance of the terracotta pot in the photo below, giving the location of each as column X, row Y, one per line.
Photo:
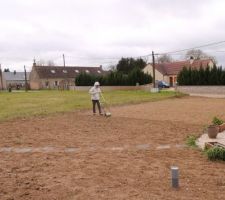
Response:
column 213, row 130
column 222, row 127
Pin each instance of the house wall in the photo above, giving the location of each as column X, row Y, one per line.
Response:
column 217, row 90
column 35, row 83
column 2, row 82
column 210, row 64
column 15, row 82
column 174, row 79
column 61, row 83
column 158, row 76
column 111, row 88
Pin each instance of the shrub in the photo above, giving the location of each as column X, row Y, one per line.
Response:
column 191, row 141
column 216, row 153
column 217, row 121
column 115, row 78
column 202, row 76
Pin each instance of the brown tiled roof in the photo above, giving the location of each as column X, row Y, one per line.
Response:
column 174, row 68
column 65, row 72
column 160, row 68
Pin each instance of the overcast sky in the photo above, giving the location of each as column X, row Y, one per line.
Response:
column 94, row 32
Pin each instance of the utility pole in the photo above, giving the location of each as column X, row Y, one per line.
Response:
column 25, row 72
column 64, row 62
column 153, row 65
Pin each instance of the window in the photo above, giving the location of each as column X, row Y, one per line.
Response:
column 99, row 72
column 87, row 71
column 64, row 71
column 56, row 83
column 53, row 71
column 77, row 71
column 46, row 84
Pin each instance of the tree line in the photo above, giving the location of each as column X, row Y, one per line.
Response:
column 127, row 72
column 202, row 76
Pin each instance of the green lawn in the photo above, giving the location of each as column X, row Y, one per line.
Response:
column 25, row 104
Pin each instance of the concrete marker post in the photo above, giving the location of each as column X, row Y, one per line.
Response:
column 175, row 176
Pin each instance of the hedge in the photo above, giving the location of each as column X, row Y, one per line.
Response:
column 116, row 78
column 201, row 76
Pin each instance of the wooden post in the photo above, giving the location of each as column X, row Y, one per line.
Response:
column 25, row 72
column 153, row 65
column 64, row 62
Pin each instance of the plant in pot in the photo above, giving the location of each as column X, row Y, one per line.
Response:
column 213, row 129
column 220, row 123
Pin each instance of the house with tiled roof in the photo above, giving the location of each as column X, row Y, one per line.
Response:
column 15, row 79
column 53, row 77
column 169, row 71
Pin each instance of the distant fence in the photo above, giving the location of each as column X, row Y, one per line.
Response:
column 202, row 89
column 110, row 88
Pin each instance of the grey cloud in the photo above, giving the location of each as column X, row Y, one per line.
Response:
column 90, row 31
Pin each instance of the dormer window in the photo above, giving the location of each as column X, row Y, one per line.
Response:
column 99, row 72
column 87, row 71
column 53, row 71
column 77, row 71
column 65, row 71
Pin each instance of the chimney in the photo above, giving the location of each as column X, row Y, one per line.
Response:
column 34, row 63
column 191, row 60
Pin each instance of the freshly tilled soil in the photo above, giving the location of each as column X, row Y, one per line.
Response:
column 110, row 163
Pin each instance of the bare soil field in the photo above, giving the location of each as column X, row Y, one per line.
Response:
column 127, row 156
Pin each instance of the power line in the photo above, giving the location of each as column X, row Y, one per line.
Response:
column 147, row 56
column 196, row 47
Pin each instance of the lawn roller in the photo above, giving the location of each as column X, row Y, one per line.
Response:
column 105, row 107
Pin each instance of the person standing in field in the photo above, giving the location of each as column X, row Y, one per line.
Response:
column 95, row 92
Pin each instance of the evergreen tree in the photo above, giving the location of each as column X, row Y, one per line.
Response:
column 126, row 65
column 207, row 76
column 202, row 80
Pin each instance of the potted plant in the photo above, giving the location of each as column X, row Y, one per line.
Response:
column 220, row 123
column 213, row 129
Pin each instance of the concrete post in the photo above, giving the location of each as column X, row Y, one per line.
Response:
column 175, row 176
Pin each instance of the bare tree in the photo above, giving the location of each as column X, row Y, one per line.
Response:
column 112, row 67
column 51, row 63
column 43, row 62
column 6, row 70
column 198, row 54
column 165, row 58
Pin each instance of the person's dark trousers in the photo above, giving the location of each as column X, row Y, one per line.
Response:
column 94, row 102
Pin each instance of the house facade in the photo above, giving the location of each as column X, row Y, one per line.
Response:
column 168, row 72
column 16, row 80
column 58, row 77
